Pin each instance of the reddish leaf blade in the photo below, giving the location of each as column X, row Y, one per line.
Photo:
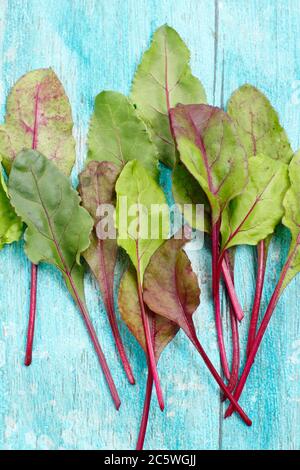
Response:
column 162, row 332
column 171, row 290
column 97, row 188
column 162, row 329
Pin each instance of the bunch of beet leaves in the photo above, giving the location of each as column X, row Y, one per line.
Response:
column 238, row 164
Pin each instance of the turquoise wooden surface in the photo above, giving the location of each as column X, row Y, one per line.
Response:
column 61, row 401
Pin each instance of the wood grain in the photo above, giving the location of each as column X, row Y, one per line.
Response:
column 61, row 401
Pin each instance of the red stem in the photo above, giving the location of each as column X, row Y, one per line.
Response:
column 149, row 344
column 261, row 269
column 34, row 267
column 109, row 305
column 119, row 344
column 145, row 416
column 32, row 311
column 235, row 363
column 231, row 291
column 219, row 380
column 96, row 344
column 216, row 297
column 262, row 328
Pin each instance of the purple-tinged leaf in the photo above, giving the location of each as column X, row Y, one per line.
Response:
column 171, row 290
column 209, row 146
column 162, row 332
column 96, row 188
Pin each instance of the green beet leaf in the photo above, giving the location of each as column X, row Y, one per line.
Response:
column 291, row 268
column 118, row 135
column 142, row 215
column 254, row 214
column 142, row 220
column 10, row 224
column 96, row 188
column 258, row 124
column 58, row 228
column 38, row 116
column 164, row 79
column 187, row 191
column 260, row 132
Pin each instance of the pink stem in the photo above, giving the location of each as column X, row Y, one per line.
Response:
column 261, row 269
column 149, row 344
column 108, row 297
column 119, row 343
column 219, row 380
column 34, row 267
column 145, row 416
column 32, row 311
column 231, row 291
column 262, row 328
column 216, row 297
column 96, row 344
column 235, row 364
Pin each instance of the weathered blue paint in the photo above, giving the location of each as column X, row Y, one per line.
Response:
column 61, row 401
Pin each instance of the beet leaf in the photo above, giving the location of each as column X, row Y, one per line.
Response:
column 38, row 116
column 209, row 147
column 258, row 124
column 10, row 224
column 186, row 190
column 139, row 192
column 97, row 186
column 162, row 332
column 291, row 220
column 57, row 231
column 164, row 79
column 261, row 133
column 171, row 290
column 118, row 135
column 254, row 214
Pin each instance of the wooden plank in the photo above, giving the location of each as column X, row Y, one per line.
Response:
column 262, row 53
column 61, row 401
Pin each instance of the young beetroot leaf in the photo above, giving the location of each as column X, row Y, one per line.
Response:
column 252, row 216
column 11, row 225
column 162, row 332
column 162, row 80
column 116, row 135
column 171, row 290
column 291, row 220
column 210, row 149
column 58, row 229
column 96, row 188
column 38, row 116
column 261, row 133
column 137, row 190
